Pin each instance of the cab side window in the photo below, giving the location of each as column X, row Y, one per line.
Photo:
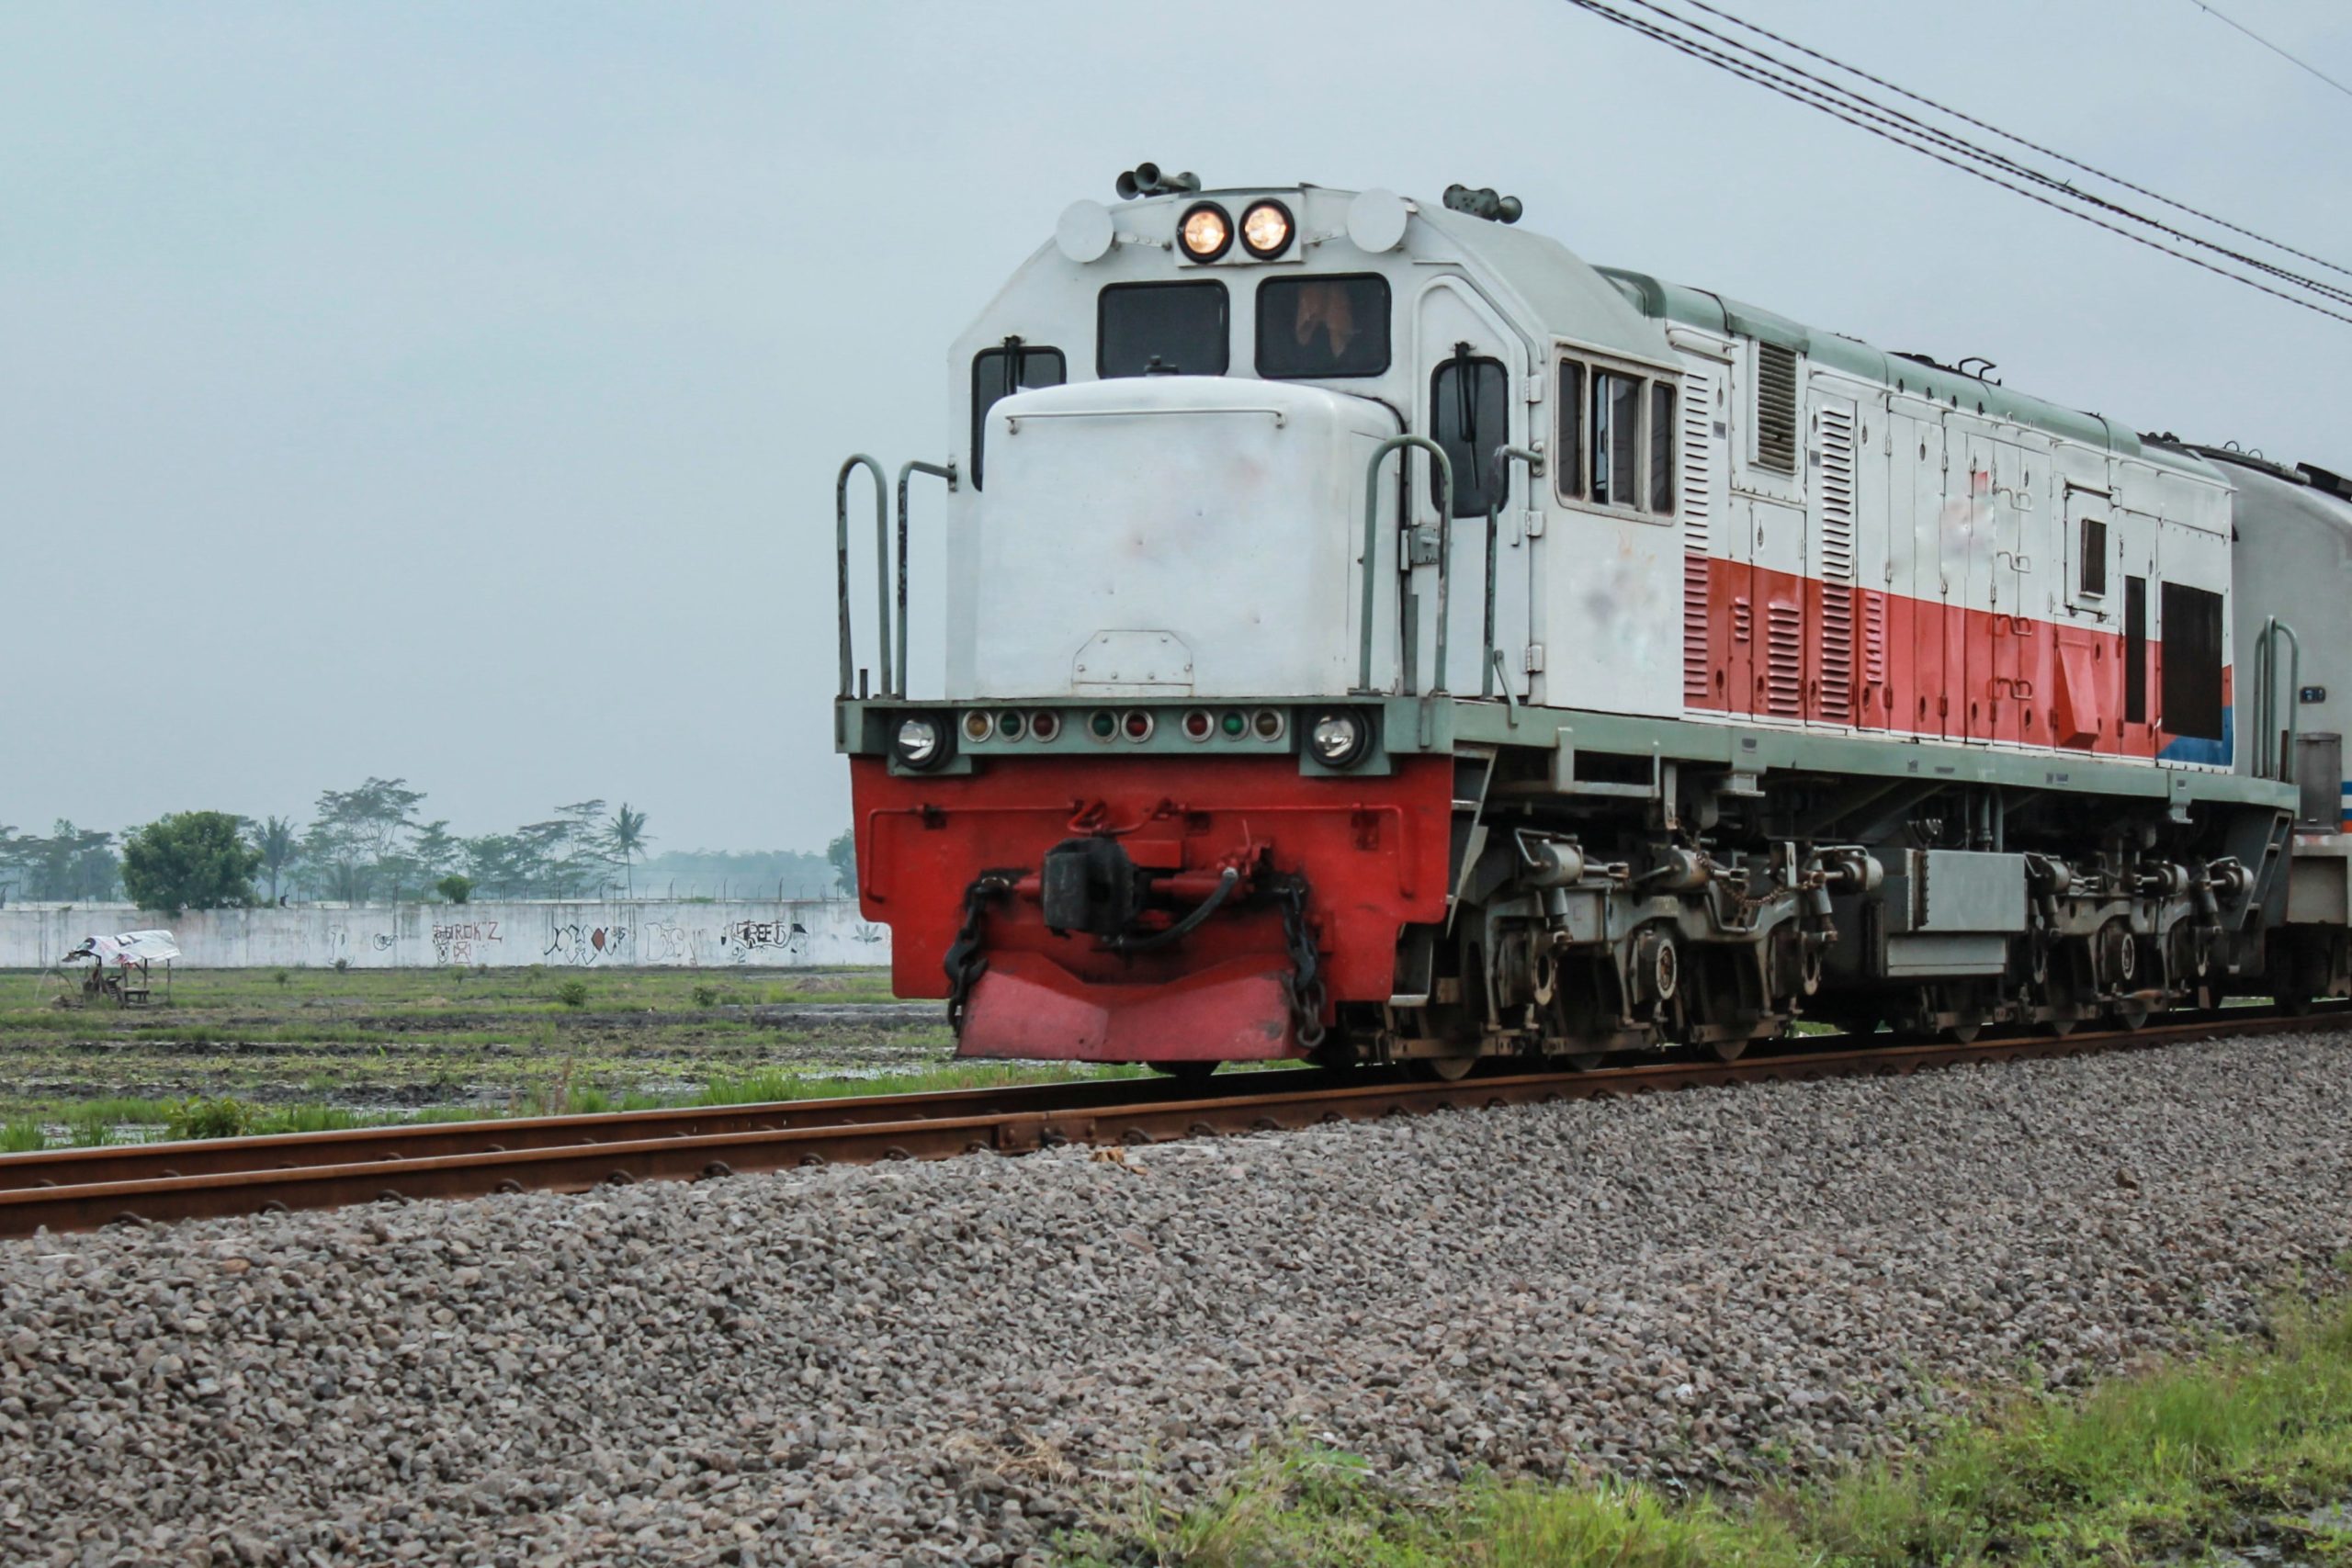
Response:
column 1470, row 416
column 999, row 372
column 1615, row 440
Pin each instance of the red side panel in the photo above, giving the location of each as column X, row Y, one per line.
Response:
column 1921, row 667
column 2078, row 708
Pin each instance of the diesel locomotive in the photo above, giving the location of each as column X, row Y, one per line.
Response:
column 1374, row 634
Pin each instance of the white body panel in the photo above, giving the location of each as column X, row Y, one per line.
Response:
column 1169, row 536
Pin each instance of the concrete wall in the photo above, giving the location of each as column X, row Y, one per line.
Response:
column 403, row 936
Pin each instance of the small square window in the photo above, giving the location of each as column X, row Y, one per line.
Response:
column 2091, row 580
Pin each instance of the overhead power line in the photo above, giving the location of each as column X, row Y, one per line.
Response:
column 1884, row 115
column 1685, row 34
column 2281, row 53
column 2012, row 137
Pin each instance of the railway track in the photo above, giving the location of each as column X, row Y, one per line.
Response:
column 86, row 1188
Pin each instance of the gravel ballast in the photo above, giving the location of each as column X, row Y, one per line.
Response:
column 941, row 1362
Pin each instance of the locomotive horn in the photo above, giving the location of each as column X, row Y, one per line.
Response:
column 1145, row 179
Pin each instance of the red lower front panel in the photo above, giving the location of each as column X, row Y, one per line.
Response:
column 1372, row 853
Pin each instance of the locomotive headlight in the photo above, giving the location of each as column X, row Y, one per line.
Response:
column 1205, row 233
column 1265, row 229
column 1338, row 739
column 920, row 742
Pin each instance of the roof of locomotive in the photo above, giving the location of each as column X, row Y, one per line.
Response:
column 1612, row 309
column 1709, row 312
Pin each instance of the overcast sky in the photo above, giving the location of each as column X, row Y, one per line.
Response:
column 454, row 390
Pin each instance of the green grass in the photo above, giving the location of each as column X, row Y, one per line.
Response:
column 754, row 1089
column 2225, row 1449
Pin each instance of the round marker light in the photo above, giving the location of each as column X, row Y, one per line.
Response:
column 1045, row 724
column 1265, row 229
column 1338, row 739
column 1197, row 725
column 1008, row 724
column 1103, row 723
column 921, row 743
column 1137, row 724
column 978, row 726
column 1268, row 723
column 1205, row 233
column 1234, row 724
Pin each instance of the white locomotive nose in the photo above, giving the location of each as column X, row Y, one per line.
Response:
column 1170, row 536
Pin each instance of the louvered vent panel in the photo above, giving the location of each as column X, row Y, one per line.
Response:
column 1784, row 660
column 1742, row 623
column 1837, row 494
column 1838, row 652
column 1698, row 504
column 1776, row 408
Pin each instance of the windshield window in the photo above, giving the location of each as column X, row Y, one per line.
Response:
column 1181, row 326
column 1323, row 326
column 1471, row 417
column 1035, row 368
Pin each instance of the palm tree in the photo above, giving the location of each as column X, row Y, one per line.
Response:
column 624, row 839
column 279, row 843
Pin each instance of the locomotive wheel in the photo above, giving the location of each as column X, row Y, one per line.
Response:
column 2130, row 1015
column 2060, row 1028
column 1444, row 1069
column 1964, row 1033
column 1727, row 1050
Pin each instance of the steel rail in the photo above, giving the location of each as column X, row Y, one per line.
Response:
column 937, row 1126
column 428, row 1140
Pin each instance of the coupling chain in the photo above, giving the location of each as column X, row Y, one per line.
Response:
column 1306, row 979
column 963, row 964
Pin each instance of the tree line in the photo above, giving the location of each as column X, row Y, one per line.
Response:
column 373, row 842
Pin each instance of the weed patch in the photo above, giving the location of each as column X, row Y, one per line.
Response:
column 2224, row 1450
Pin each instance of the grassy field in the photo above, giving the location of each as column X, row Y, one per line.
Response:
column 316, row 1048
column 2248, row 1451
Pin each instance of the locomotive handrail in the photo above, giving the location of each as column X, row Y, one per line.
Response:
column 1500, row 474
column 1371, row 546
column 906, row 470
column 882, row 548
column 2267, row 764
column 1012, row 421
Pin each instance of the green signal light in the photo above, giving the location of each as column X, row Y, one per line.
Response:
column 1103, row 725
column 1234, row 724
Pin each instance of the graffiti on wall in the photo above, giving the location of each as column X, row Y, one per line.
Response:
column 744, row 940
column 585, row 946
column 659, row 933
column 459, row 943
column 666, row 942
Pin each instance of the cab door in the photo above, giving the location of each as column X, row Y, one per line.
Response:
column 1933, row 671
column 1998, row 559
column 1473, row 397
